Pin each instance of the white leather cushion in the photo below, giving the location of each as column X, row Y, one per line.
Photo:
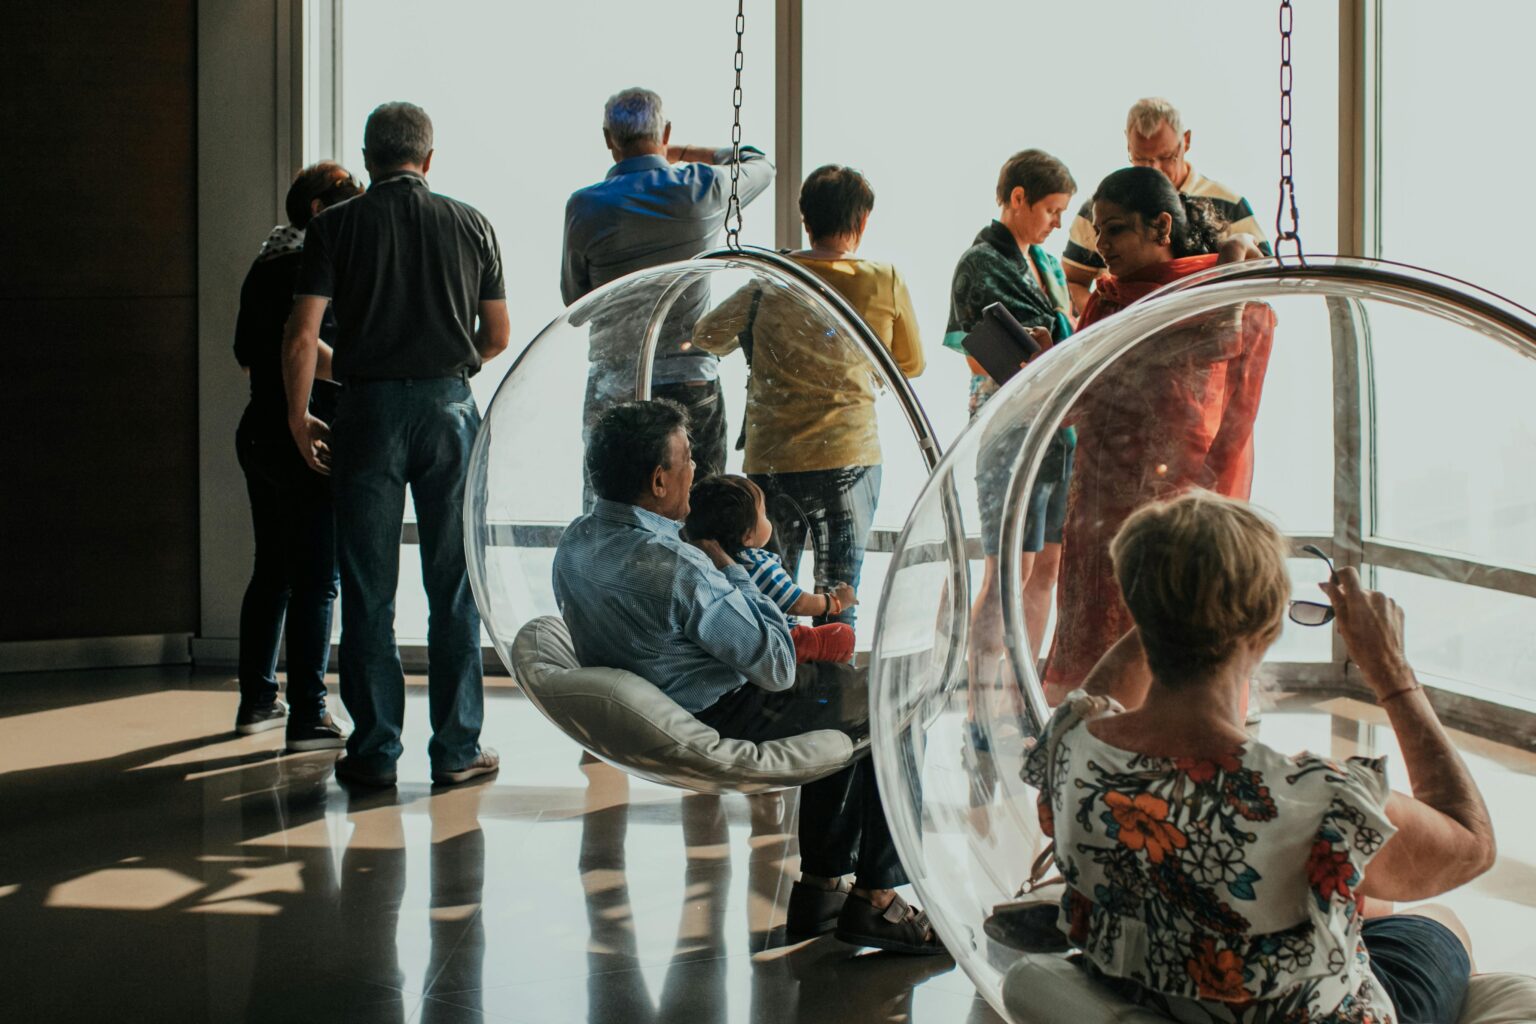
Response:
column 1500, row 999
column 1046, row 989
column 627, row 721
column 1043, row 988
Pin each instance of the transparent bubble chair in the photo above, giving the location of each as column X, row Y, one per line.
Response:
column 1378, row 412
column 648, row 334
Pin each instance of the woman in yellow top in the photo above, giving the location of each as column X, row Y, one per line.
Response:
column 812, row 441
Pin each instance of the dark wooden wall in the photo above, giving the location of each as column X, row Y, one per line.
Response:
column 98, row 318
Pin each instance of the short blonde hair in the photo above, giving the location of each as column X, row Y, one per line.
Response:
column 1149, row 113
column 1200, row 574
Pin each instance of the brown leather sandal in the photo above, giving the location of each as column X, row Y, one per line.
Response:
column 899, row 927
column 814, row 910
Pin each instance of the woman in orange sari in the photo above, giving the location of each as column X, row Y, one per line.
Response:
column 1173, row 414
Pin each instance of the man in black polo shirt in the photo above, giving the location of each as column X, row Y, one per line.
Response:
column 408, row 272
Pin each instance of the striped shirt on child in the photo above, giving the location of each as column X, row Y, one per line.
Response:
column 768, row 575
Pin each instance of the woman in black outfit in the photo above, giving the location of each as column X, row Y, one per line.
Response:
column 295, row 572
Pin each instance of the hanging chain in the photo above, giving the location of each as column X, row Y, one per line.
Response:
column 1287, row 232
column 733, row 206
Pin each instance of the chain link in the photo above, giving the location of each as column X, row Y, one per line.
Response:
column 1287, row 232
column 733, row 206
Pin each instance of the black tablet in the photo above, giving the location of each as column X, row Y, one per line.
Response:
column 1000, row 343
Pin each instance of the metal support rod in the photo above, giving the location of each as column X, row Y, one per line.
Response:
column 1352, row 478
column 788, row 138
column 917, row 419
column 645, row 360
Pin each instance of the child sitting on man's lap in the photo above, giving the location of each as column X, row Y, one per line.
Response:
column 729, row 509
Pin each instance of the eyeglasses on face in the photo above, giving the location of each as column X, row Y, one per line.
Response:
column 1313, row 613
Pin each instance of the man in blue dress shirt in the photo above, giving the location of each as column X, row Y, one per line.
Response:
column 659, row 203
column 687, row 617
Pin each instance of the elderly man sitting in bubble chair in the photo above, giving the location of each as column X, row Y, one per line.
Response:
column 687, row 617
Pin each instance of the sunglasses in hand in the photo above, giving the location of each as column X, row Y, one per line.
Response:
column 1313, row 613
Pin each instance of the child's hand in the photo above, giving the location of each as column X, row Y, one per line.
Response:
column 845, row 595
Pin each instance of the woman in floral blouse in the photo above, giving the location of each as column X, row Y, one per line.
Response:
column 1212, row 877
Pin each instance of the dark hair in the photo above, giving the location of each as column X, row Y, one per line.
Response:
column 1035, row 171
column 834, row 200
column 723, row 508
column 627, row 444
column 397, row 134
column 1147, row 192
column 326, row 181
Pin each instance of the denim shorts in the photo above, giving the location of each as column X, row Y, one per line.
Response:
column 1421, row 964
column 1046, row 512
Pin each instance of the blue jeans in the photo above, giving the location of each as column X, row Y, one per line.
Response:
column 1422, row 965
column 836, row 507
column 387, row 434
column 294, row 575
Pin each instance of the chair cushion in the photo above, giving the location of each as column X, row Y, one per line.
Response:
column 1500, row 999
column 1046, row 989
column 625, row 720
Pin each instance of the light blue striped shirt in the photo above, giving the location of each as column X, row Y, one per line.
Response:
column 769, row 576
column 637, row 596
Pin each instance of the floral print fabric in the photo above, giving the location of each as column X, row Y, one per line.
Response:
column 1219, row 889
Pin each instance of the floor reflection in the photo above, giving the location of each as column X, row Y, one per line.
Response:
column 155, row 867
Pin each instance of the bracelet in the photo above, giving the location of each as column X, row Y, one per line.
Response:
column 832, row 606
column 1397, row 693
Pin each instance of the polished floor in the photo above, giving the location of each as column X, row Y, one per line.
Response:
column 156, row 867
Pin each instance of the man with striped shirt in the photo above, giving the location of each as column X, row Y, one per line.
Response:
column 1155, row 136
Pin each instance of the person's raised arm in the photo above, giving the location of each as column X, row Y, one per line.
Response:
column 737, row 624
column 1444, row 836
column 494, row 330
column 301, row 344
column 719, row 330
column 754, row 172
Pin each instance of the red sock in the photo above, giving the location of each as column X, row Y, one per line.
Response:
column 832, row 642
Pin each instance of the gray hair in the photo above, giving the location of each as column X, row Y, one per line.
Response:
column 397, row 134
column 1148, row 114
column 634, row 115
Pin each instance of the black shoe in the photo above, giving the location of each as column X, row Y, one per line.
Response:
column 813, row 910
column 322, row 735
column 346, row 771
column 1027, row 925
column 250, row 720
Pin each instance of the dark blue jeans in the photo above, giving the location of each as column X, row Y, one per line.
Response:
column 294, row 574
column 836, row 507
column 843, row 828
column 387, row 435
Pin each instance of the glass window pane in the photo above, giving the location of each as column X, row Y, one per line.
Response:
column 931, row 125
column 1468, row 639
column 1452, row 438
column 517, row 130
column 1481, row 67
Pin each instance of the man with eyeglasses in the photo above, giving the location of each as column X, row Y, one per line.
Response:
column 1155, row 136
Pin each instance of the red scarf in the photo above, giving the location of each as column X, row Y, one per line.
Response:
column 1112, row 294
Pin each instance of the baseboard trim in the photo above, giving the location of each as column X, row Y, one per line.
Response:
column 224, row 652
column 95, row 652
